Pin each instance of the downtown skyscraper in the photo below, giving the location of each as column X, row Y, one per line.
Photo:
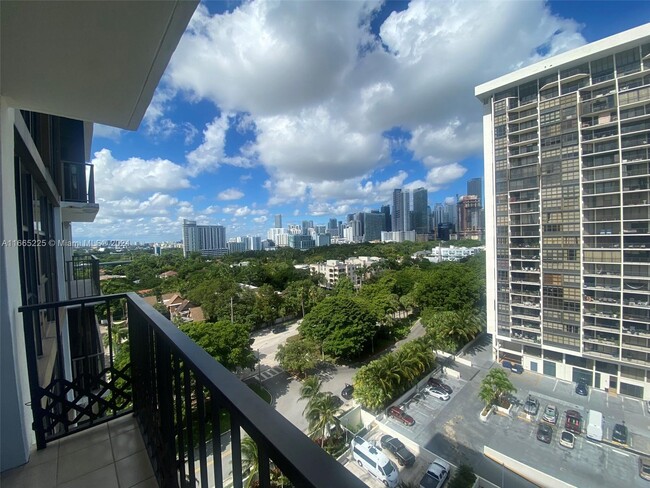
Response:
column 567, row 173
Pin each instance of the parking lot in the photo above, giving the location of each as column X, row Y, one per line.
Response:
column 424, row 410
column 457, row 434
column 408, row 475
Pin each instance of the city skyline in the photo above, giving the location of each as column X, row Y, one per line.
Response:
column 331, row 133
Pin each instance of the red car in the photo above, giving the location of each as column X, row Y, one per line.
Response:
column 398, row 413
column 573, row 422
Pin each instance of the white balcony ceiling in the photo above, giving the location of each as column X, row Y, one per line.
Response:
column 94, row 61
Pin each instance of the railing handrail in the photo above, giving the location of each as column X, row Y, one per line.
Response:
column 297, row 456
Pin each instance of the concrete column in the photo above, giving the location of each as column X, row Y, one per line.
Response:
column 15, row 416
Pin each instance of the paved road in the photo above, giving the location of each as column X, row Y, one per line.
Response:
column 267, row 342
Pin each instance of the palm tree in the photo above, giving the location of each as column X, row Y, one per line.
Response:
column 321, row 416
column 494, row 386
column 250, row 460
column 309, row 390
column 468, row 323
column 391, row 371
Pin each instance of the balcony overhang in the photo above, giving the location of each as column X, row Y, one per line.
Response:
column 78, row 211
column 93, row 61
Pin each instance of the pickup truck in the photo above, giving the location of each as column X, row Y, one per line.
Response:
column 436, row 474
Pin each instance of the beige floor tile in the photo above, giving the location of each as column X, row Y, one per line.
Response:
column 50, row 453
column 126, row 444
column 81, row 462
column 122, row 425
column 41, row 475
column 105, row 477
column 83, row 440
column 148, row 483
column 134, row 469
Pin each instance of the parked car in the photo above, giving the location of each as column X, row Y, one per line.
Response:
column 438, row 383
column 347, row 391
column 398, row 449
column 438, row 393
column 531, row 407
column 567, row 439
column 514, row 367
column 399, row 414
column 644, row 467
column 544, row 433
column 436, row 474
column 582, row 389
column 550, row 414
column 620, row 434
column 573, row 422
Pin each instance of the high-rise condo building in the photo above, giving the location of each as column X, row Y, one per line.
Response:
column 207, row 239
column 567, row 178
column 373, row 226
column 406, row 211
column 278, row 221
column 385, row 209
column 397, row 221
column 421, row 211
column 475, row 187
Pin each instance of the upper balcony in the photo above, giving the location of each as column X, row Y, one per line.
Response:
column 181, row 398
column 78, row 192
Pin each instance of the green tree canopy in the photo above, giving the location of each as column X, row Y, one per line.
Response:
column 450, row 330
column 342, row 324
column 227, row 343
column 299, row 356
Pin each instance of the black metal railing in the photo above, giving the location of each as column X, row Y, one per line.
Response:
column 82, row 276
column 78, row 182
column 182, row 398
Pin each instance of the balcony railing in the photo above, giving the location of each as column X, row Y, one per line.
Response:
column 82, row 276
column 78, row 182
column 176, row 390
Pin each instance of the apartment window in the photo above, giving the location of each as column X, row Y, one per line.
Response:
column 632, row 373
column 628, row 61
column 602, row 69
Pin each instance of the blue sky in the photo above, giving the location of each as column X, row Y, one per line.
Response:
column 317, row 109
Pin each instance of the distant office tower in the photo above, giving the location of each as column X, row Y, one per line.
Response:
column 306, row 224
column 333, row 224
column 278, row 221
column 385, row 209
column 406, row 211
column 469, row 218
column 445, row 229
column 475, row 187
column 397, row 220
column 322, row 240
column 374, row 224
column 421, row 211
column 568, row 215
column 254, row 243
column 207, row 239
column 299, row 241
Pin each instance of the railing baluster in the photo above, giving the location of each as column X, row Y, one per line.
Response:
column 216, row 440
column 178, row 404
column 235, row 444
column 188, row 423
column 264, row 471
column 166, row 409
column 203, row 457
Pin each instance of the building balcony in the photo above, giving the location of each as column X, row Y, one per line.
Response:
column 142, row 370
column 82, row 277
column 78, row 192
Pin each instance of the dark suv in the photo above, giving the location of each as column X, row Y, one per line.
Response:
column 402, row 454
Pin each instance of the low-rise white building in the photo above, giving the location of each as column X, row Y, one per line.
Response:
column 356, row 269
column 451, row 253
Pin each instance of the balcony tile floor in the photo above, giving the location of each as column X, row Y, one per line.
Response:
column 111, row 455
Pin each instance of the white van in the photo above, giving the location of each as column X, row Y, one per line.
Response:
column 595, row 425
column 374, row 461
